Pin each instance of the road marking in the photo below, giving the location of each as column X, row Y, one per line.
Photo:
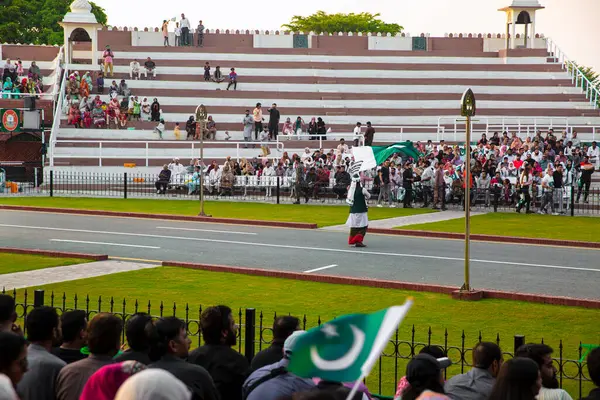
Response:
column 105, row 243
column 205, row 230
column 320, row 269
column 283, row 246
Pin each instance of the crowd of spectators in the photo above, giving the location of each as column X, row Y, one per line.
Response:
column 17, row 81
column 71, row 358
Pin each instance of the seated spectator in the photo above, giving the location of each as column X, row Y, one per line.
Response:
column 7, row 88
column 519, row 378
column 542, row 355
column 134, row 69
column 73, row 326
column 214, row 179
column 434, row 351
column 283, row 327
column 149, row 67
column 114, row 111
column 593, row 364
column 160, row 128
column 194, row 183
column 477, row 384
column 155, row 111
column 74, row 116
column 10, row 70
column 273, row 381
column 124, row 89
column 173, row 349
column 211, row 129
column 104, row 341
column 98, row 117
column 177, row 169
column 232, row 79
column 8, row 316
column 13, row 356
column 139, row 329
column 288, row 128
column 190, row 128
column 299, row 126
column 100, row 82
column 153, row 384
column 218, row 76
column 34, row 69
column 342, row 181
column 113, row 90
column 42, row 326
column 105, row 383
column 228, row 368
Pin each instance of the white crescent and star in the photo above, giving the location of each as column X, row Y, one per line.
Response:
column 347, row 359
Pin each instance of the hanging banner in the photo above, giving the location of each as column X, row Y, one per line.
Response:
column 10, row 120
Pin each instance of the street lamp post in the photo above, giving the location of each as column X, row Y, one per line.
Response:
column 201, row 121
column 467, row 109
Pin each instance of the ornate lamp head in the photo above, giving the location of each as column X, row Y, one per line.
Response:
column 468, row 107
column 201, row 113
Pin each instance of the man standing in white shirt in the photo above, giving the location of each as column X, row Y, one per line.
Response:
column 134, row 69
column 356, row 133
column 185, row 30
column 548, row 191
column 594, row 155
column 427, row 183
column 177, row 35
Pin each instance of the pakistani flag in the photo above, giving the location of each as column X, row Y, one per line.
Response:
column 369, row 157
column 345, row 349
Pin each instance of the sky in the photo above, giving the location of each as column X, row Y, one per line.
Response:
column 570, row 23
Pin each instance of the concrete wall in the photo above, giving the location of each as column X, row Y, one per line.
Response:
column 397, row 43
column 339, row 44
column 273, row 41
column 28, row 52
column 462, row 45
column 496, row 44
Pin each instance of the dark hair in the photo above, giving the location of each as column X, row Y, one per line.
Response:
column 167, row 329
column 431, row 383
column 138, row 331
column 593, row 364
column 41, row 323
column 71, row 323
column 104, row 334
column 7, row 308
column 283, row 327
column 11, row 346
column 534, row 351
column 485, row 353
column 435, row 351
column 213, row 321
column 516, row 380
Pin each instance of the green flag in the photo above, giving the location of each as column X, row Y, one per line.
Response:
column 345, row 349
column 371, row 156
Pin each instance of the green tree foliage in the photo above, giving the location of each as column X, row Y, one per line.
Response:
column 592, row 76
column 36, row 21
column 332, row 23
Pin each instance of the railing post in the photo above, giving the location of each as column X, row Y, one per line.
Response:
column 125, row 185
column 249, row 334
column 146, row 154
column 51, row 183
column 278, row 186
column 572, row 199
column 38, row 298
column 100, row 151
column 518, row 342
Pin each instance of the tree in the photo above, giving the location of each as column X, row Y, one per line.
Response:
column 592, row 76
column 332, row 23
column 36, row 21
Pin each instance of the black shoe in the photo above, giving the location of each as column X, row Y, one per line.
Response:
column 360, row 245
column 296, row 202
column 444, row 209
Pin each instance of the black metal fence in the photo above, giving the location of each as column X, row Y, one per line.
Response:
column 576, row 200
column 255, row 333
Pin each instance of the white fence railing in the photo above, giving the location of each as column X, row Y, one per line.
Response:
column 57, row 116
column 150, row 150
column 591, row 90
column 320, row 138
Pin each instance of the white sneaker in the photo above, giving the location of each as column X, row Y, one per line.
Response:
column 379, row 205
column 555, row 213
column 392, row 206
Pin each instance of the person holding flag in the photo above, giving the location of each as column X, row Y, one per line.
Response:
column 358, row 221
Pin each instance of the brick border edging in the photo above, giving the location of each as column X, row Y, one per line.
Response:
column 387, row 284
column 49, row 253
column 172, row 217
column 487, row 238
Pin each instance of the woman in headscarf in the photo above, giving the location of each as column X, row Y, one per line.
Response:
column 113, row 90
column 145, row 110
column 288, row 128
column 227, row 179
column 155, row 110
column 137, row 108
column 87, row 77
column 74, row 116
column 105, row 383
column 114, row 111
column 124, row 89
column 312, row 129
column 190, row 127
column 34, row 69
column 98, row 116
column 153, row 384
column 299, row 126
column 7, row 88
column 73, row 88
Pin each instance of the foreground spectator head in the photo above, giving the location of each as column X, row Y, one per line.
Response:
column 218, row 326
column 104, row 334
column 73, row 326
column 139, row 331
column 519, row 378
column 8, row 316
column 105, row 382
column 424, row 372
column 42, row 326
column 488, row 356
column 13, row 356
column 172, row 337
column 290, row 343
column 593, row 364
column 153, row 384
column 542, row 355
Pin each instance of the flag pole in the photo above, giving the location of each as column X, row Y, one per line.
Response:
column 355, row 387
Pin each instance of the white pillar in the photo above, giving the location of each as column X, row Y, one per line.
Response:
column 513, row 34
column 94, row 38
column 532, row 14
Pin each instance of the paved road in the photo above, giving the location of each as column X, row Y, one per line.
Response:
column 523, row 268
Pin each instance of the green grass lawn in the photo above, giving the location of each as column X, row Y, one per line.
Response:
column 492, row 318
column 10, row 263
column 319, row 214
column 528, row 226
